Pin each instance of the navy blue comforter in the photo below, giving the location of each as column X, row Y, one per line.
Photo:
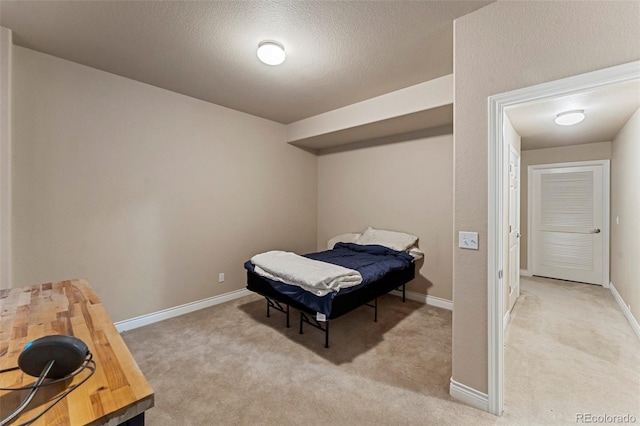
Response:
column 372, row 261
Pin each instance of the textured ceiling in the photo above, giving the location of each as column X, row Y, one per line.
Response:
column 606, row 109
column 338, row 53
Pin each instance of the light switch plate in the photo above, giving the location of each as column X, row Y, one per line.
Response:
column 468, row 240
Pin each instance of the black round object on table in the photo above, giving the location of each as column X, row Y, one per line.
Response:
column 68, row 352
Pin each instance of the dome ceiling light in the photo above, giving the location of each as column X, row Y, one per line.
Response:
column 569, row 118
column 271, row 52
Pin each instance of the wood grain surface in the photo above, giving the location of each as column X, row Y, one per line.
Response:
column 118, row 390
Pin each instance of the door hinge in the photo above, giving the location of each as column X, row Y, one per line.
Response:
column 500, row 274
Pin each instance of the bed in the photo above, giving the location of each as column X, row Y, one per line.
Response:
column 385, row 261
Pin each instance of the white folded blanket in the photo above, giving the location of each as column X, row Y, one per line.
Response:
column 319, row 278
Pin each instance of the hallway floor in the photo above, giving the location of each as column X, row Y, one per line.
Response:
column 569, row 352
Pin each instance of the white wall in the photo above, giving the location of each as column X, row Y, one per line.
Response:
column 404, row 186
column 147, row 193
column 502, row 47
column 625, row 205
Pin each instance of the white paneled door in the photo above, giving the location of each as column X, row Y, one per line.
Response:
column 514, row 226
column 568, row 229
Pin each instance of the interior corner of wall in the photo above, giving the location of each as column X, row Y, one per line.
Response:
column 6, row 57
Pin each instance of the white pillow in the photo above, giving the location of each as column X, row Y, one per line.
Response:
column 349, row 237
column 394, row 240
column 415, row 252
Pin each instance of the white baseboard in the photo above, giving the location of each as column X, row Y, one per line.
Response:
column 469, row 395
column 147, row 319
column 429, row 300
column 153, row 317
column 525, row 273
column 625, row 309
column 505, row 321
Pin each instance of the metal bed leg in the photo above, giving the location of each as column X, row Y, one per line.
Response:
column 403, row 290
column 313, row 321
column 326, row 335
column 278, row 307
column 375, row 318
column 375, row 307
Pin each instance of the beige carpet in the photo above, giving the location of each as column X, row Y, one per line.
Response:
column 230, row 365
column 569, row 350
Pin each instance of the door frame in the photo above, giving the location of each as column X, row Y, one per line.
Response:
column 606, row 207
column 495, row 227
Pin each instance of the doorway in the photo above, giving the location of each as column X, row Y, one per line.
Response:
column 497, row 198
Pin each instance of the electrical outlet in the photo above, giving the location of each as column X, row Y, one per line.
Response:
column 221, row 277
column 468, row 240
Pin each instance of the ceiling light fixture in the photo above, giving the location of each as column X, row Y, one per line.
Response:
column 569, row 118
column 271, row 52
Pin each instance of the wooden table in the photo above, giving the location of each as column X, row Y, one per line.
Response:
column 117, row 393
